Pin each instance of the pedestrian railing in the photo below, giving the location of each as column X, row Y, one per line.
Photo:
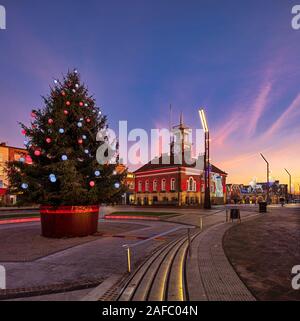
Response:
column 129, row 247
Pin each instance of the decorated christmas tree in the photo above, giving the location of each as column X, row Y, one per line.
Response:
column 61, row 168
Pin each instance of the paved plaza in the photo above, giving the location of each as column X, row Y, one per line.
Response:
column 228, row 261
column 263, row 252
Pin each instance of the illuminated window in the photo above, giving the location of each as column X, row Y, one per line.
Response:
column 163, row 184
column 191, row 185
column 131, row 185
column 17, row 156
column 140, row 186
column 172, row 184
column 147, row 186
column 154, row 185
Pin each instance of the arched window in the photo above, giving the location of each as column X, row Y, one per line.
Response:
column 172, row 184
column 163, row 185
column 155, row 186
column 139, row 186
column 147, row 186
column 191, row 185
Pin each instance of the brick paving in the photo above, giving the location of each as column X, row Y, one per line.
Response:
column 48, row 289
column 92, row 260
column 210, row 276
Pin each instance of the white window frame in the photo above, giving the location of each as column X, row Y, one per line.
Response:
column 193, row 182
column 172, row 184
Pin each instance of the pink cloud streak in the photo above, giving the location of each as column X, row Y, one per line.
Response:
column 285, row 117
column 260, row 104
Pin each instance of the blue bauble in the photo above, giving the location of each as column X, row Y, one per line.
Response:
column 97, row 173
column 24, row 185
column 52, row 178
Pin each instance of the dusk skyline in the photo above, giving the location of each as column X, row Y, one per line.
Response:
column 242, row 68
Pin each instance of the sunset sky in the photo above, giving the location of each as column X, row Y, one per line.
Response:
column 238, row 59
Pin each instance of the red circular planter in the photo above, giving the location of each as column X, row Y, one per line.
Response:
column 69, row 221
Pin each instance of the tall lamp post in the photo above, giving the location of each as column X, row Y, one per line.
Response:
column 268, row 177
column 207, row 202
column 290, row 181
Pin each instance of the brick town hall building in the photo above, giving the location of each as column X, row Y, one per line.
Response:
column 176, row 178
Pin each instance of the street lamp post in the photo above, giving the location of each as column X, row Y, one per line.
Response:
column 207, row 202
column 290, row 181
column 268, row 177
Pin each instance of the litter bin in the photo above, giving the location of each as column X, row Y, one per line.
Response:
column 235, row 214
column 263, row 207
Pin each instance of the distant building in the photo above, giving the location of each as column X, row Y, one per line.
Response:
column 128, row 197
column 169, row 181
column 7, row 154
column 256, row 192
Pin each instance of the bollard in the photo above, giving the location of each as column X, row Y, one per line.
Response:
column 129, row 259
column 128, row 252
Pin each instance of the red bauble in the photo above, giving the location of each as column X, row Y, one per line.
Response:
column 48, row 140
column 37, row 153
column 63, row 93
column 33, row 115
column 50, row 121
column 66, row 112
column 68, row 103
column 80, row 141
column 23, row 132
column 28, row 159
column 92, row 183
column 81, row 104
column 88, row 120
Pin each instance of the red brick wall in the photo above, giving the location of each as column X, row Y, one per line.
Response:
column 158, row 178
